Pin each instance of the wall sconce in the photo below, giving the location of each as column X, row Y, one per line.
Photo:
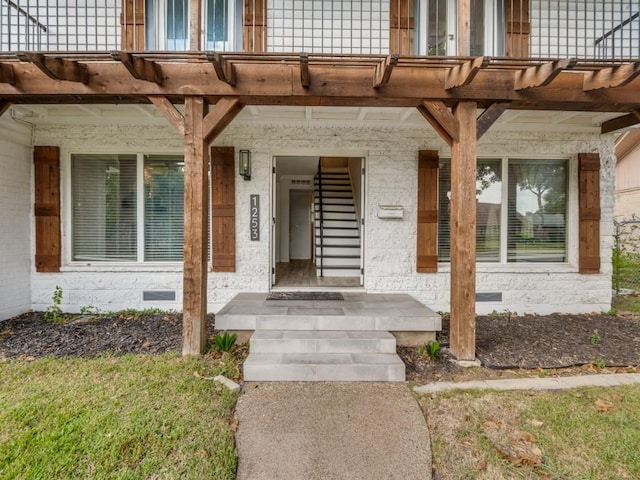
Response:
column 245, row 164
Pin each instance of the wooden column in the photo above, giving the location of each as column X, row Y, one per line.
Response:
column 196, row 215
column 464, row 28
column 195, row 25
column 463, row 234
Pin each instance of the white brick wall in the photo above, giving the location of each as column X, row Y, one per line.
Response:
column 391, row 164
column 15, row 217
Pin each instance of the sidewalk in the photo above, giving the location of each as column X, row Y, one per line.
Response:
column 555, row 383
column 324, row 431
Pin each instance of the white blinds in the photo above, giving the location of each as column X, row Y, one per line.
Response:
column 104, row 200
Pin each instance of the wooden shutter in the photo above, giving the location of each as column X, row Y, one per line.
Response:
column 223, row 209
column 254, row 32
column 427, row 236
column 589, row 214
column 47, row 208
column 132, row 25
column 402, row 27
column 517, row 28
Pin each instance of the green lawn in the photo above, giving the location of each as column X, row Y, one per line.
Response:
column 579, row 434
column 132, row 417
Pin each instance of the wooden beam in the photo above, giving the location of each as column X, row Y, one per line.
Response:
column 6, row 74
column 464, row 73
column 305, row 78
column 463, row 234
column 441, row 119
column 169, row 111
column 4, row 106
column 612, row 77
column 57, row 68
column 139, row 68
column 383, row 71
column 225, row 71
column 222, row 115
column 620, row 122
column 489, row 117
column 541, row 75
column 195, row 25
column 196, row 225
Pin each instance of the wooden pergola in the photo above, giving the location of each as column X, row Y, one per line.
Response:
column 448, row 92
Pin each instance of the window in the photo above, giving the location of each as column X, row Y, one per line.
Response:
column 168, row 24
column 437, row 27
column 107, row 223
column 522, row 219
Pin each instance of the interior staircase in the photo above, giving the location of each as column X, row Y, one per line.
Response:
column 337, row 230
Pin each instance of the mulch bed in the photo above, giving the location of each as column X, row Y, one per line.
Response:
column 503, row 343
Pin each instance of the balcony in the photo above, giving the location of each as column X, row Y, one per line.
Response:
column 586, row 29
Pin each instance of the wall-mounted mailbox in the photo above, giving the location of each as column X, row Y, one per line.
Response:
column 390, row 211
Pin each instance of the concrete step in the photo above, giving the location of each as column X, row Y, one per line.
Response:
column 333, row 250
column 352, row 261
column 322, row 341
column 336, row 208
column 337, row 223
column 332, row 202
column 348, row 242
column 345, row 367
column 338, row 232
column 331, row 215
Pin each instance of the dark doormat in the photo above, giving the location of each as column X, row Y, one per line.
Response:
column 305, row 296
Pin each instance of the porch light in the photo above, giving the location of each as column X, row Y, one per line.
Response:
column 245, row 164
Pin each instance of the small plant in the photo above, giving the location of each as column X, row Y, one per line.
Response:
column 422, row 349
column 506, row 313
column 54, row 312
column 599, row 364
column 88, row 310
column 225, row 341
column 433, row 350
column 595, row 338
column 136, row 314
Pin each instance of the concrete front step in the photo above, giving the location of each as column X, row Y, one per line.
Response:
column 322, row 341
column 338, row 271
column 338, row 367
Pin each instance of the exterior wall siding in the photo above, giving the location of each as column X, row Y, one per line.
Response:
column 15, row 218
column 390, row 253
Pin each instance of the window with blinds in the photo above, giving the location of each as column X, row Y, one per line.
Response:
column 127, row 208
column 104, row 205
column 521, row 210
column 163, row 208
column 488, row 210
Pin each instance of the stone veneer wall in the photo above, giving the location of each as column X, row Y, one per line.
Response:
column 391, row 166
column 15, row 217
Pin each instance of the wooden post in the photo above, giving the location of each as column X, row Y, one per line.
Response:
column 196, row 215
column 195, row 25
column 463, row 234
column 464, row 28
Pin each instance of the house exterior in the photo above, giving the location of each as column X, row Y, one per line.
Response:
column 628, row 176
column 475, row 140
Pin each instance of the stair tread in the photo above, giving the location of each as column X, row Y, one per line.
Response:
column 345, row 359
column 322, row 334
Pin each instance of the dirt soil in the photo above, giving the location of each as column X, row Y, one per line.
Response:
column 507, row 345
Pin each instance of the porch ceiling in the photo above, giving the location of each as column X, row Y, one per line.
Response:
column 320, row 80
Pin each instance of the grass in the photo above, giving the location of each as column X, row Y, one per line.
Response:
column 116, row 417
column 627, row 303
column 580, row 434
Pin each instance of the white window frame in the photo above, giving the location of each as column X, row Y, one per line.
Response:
column 157, row 29
column 139, row 263
column 571, row 255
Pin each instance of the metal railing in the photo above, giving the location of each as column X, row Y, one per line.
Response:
column 591, row 29
column 626, row 257
column 321, row 217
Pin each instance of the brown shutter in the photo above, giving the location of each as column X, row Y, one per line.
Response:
column 589, row 215
column 517, row 28
column 132, row 25
column 47, row 208
column 402, row 27
column 427, row 247
column 223, row 209
column 254, row 33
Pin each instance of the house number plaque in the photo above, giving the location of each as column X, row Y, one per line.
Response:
column 254, row 225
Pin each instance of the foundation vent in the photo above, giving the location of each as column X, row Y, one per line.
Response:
column 159, row 296
column 488, row 296
column 300, row 182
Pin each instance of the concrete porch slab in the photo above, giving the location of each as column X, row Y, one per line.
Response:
column 358, row 311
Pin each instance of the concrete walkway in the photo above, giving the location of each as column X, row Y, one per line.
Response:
column 317, row 430
column 556, row 383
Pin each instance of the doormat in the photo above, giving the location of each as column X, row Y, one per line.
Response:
column 305, row 296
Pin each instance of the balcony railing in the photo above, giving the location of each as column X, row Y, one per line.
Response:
column 607, row 29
